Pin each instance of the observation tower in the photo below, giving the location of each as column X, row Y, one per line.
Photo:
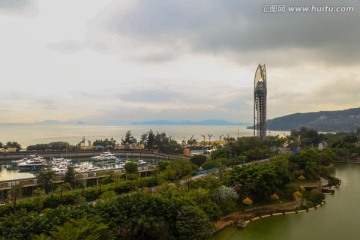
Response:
column 260, row 102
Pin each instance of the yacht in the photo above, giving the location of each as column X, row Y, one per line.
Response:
column 32, row 162
column 141, row 162
column 16, row 162
column 105, row 156
column 60, row 165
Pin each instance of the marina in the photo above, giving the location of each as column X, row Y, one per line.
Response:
column 14, row 169
column 89, row 170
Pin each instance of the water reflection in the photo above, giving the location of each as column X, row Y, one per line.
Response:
column 8, row 173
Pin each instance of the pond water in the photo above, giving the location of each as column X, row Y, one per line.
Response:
column 338, row 219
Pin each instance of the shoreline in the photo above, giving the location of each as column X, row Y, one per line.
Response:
column 242, row 218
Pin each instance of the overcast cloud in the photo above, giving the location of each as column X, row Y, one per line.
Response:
column 140, row 60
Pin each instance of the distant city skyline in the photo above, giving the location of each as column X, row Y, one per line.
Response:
column 142, row 60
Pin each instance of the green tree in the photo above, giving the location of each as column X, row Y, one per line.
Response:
column 70, row 177
column 192, row 223
column 307, row 161
column 171, row 147
column 258, row 180
column 58, row 146
column 116, row 177
column 178, row 169
column 280, row 163
column 39, row 193
column 16, row 192
column 252, row 148
column 161, row 142
column 131, row 168
column 306, row 136
column 128, row 140
column 211, row 163
column 21, row 225
column 162, row 164
column 54, row 146
column 327, row 156
column 108, row 196
column 106, row 143
column 13, row 145
column 46, row 179
column 198, row 159
column 149, row 227
column 81, row 229
column 63, row 188
column 148, row 139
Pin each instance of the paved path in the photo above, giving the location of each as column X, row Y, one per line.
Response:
column 240, row 215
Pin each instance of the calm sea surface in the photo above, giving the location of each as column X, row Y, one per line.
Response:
column 339, row 219
column 33, row 133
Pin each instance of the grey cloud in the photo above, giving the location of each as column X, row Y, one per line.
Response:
column 155, row 96
column 337, row 94
column 190, row 112
column 153, row 105
column 239, row 28
column 46, row 102
column 87, row 95
column 341, row 92
column 67, row 46
column 161, row 96
column 13, row 96
column 26, row 8
column 6, row 110
column 239, row 100
column 14, row 4
column 158, row 57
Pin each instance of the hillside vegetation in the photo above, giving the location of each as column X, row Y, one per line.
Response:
column 327, row 121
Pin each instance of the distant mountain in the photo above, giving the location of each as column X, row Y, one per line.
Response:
column 187, row 122
column 326, row 121
column 114, row 122
column 49, row 122
column 56, row 122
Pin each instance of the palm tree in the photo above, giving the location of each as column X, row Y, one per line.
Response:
column 84, row 228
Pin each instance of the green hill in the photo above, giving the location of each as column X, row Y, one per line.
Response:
column 327, row 121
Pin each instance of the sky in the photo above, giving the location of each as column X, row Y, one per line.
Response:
column 136, row 60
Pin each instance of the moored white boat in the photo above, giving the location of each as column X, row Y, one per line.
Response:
column 60, row 165
column 141, row 162
column 105, row 156
column 32, row 161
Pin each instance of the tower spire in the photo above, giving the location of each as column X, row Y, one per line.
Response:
column 260, row 91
